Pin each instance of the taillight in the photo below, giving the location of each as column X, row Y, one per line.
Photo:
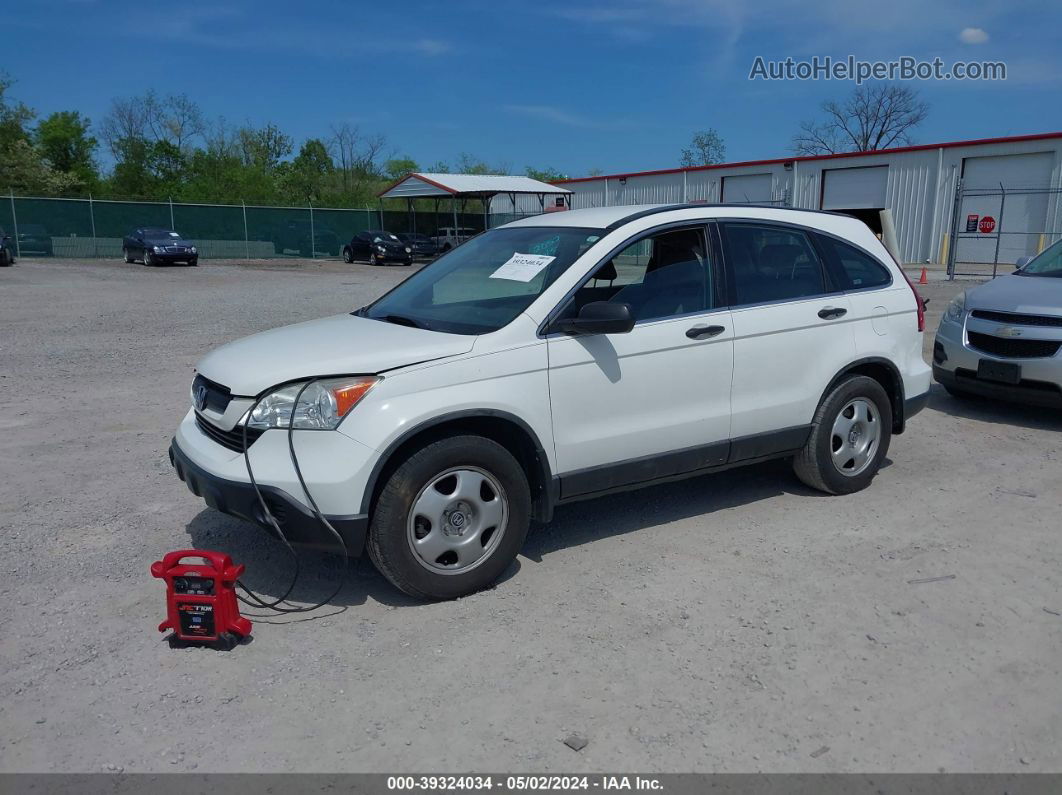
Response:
column 918, row 301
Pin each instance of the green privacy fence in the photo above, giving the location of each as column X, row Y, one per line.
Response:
column 80, row 228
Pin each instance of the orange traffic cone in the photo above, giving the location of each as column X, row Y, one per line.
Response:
column 923, row 279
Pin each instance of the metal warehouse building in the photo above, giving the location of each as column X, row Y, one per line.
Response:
column 982, row 201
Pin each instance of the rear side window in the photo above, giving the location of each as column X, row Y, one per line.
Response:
column 859, row 270
column 771, row 263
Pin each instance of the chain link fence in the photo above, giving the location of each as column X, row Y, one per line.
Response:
column 84, row 228
column 995, row 228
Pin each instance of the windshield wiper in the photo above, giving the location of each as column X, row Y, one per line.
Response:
column 401, row 320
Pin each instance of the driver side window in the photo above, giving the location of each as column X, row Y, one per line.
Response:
column 662, row 275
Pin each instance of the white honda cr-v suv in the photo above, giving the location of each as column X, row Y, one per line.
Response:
column 554, row 359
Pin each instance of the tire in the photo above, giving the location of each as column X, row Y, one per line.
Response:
column 127, row 256
column 348, row 255
column 414, row 506
column 194, row 262
column 149, row 260
column 373, row 259
column 861, row 439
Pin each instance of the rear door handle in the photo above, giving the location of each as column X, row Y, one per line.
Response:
column 832, row 312
column 704, row 332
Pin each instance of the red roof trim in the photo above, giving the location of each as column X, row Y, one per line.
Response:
column 805, row 158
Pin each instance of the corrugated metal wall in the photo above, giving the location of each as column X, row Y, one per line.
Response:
column 920, row 189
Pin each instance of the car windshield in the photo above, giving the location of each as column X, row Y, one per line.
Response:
column 382, row 235
column 484, row 284
column 1047, row 263
column 160, row 233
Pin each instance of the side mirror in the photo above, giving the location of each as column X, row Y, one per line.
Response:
column 599, row 317
column 1022, row 262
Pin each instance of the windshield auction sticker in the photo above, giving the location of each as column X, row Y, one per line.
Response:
column 522, row 267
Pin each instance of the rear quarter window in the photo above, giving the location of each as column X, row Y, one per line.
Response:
column 857, row 269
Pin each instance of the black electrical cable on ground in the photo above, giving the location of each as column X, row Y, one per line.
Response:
column 252, row 599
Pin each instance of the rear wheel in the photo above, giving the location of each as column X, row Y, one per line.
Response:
column 126, row 255
column 849, row 438
column 451, row 519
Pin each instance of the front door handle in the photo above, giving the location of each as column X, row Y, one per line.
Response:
column 832, row 312
column 704, row 332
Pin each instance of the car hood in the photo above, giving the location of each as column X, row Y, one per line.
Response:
column 1029, row 295
column 339, row 345
column 167, row 241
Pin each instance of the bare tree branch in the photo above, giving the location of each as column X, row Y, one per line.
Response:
column 873, row 117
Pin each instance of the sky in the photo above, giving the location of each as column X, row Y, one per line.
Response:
column 609, row 85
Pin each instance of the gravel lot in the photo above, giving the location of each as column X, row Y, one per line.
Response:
column 734, row 622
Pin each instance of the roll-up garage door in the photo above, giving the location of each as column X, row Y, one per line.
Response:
column 747, row 189
column 1011, row 190
column 854, row 188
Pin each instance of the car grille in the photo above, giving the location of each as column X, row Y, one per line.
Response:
column 1011, row 348
column 1018, row 320
column 217, row 397
column 175, row 249
column 233, row 440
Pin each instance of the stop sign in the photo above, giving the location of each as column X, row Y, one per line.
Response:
column 988, row 223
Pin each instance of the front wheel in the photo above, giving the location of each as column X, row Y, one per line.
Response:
column 451, row 519
column 373, row 259
column 148, row 258
column 348, row 255
column 127, row 256
column 849, row 438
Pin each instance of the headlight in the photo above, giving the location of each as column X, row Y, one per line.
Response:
column 409, row 250
column 956, row 308
column 322, row 406
column 382, row 249
column 193, row 250
column 157, row 249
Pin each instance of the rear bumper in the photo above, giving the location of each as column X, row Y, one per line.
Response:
column 913, row 405
column 239, row 499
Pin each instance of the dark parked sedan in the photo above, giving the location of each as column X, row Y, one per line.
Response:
column 378, row 247
column 422, row 245
column 34, row 239
column 155, row 246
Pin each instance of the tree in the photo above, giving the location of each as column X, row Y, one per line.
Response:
column 14, row 117
column 177, row 120
column 309, row 172
column 707, row 147
column 398, row 167
column 546, row 174
column 469, row 164
column 872, row 117
column 263, row 147
column 126, row 121
column 65, row 144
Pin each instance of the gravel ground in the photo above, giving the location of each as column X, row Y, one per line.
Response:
column 734, row 622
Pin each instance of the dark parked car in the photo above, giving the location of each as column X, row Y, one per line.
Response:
column 295, row 236
column 378, row 247
column 155, row 246
column 7, row 253
column 34, row 239
column 422, row 245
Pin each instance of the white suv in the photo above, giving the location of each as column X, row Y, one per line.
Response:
column 554, row 359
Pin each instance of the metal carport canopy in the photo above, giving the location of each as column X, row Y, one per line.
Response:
column 468, row 186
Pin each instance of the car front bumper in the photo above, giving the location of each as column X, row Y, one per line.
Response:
column 167, row 257
column 955, row 366
column 335, row 468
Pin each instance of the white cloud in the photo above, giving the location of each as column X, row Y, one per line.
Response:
column 973, row 36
